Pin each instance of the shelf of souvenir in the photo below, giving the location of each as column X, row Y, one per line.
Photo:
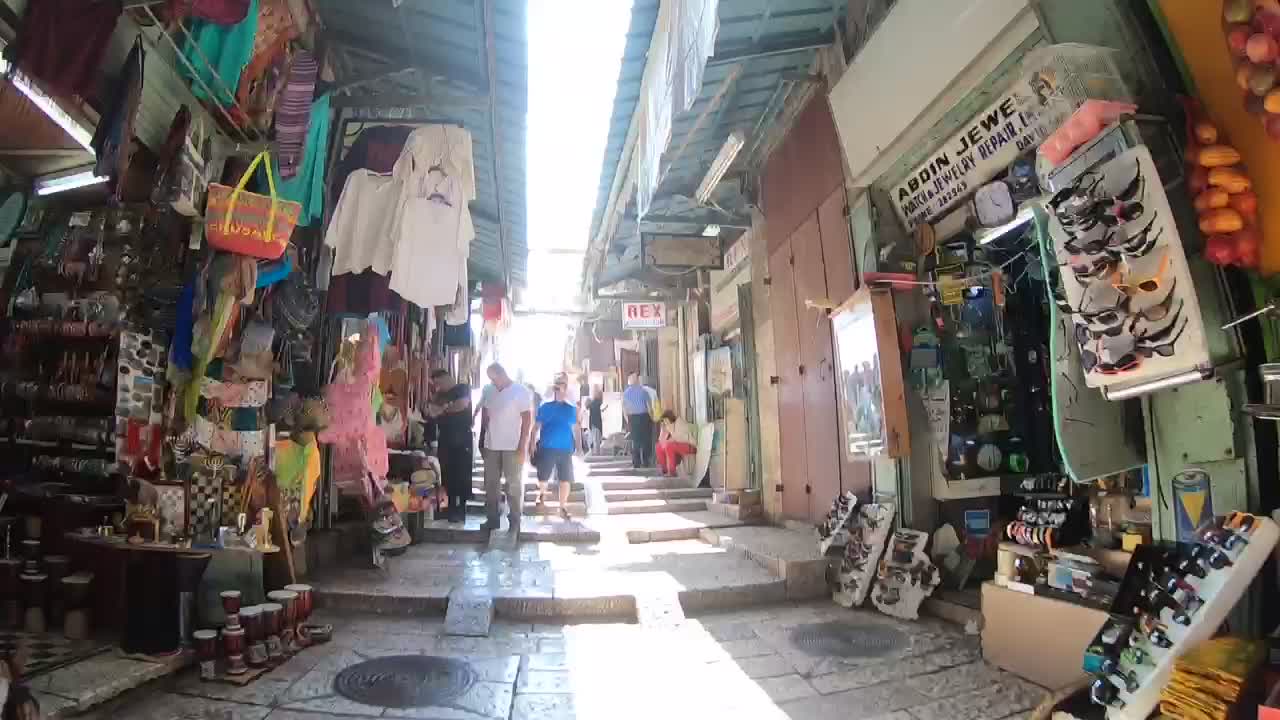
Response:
column 868, row 532
column 1135, row 314
column 833, row 530
column 906, row 576
column 1181, row 602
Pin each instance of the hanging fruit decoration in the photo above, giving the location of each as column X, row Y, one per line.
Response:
column 1222, row 191
column 1252, row 29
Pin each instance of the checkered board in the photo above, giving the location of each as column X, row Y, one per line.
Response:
column 47, row 651
column 206, row 502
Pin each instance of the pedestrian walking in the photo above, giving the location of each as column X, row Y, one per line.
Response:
column 636, row 400
column 595, row 419
column 555, row 446
column 510, row 410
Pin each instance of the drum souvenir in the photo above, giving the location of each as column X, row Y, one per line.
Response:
column 233, row 643
column 10, row 592
column 206, row 642
column 253, row 619
column 305, row 600
column 271, row 613
column 34, row 594
column 230, row 601
column 31, row 556
column 75, row 598
column 288, row 601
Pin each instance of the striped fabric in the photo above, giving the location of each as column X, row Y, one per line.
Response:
column 293, row 114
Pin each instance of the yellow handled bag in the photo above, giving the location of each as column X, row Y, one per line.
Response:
column 248, row 223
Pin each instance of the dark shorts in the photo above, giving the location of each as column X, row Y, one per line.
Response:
column 559, row 460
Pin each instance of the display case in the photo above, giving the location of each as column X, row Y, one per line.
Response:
column 872, row 403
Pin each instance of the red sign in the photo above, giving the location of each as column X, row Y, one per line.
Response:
column 644, row 316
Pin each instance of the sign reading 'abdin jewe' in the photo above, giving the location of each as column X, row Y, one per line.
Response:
column 644, row 315
column 981, row 151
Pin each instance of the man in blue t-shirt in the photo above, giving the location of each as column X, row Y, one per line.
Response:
column 635, row 408
column 556, row 442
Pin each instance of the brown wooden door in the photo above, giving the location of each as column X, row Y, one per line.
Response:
column 817, row 376
column 791, row 415
column 842, row 281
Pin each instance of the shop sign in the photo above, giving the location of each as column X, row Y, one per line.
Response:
column 992, row 140
column 644, row 315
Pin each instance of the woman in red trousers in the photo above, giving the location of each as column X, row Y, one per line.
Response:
column 675, row 440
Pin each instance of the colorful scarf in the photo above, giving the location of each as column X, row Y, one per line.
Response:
column 293, row 113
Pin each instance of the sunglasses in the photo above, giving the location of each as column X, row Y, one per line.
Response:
column 1091, row 268
column 1146, row 349
column 1141, row 243
column 1092, row 363
column 1131, row 284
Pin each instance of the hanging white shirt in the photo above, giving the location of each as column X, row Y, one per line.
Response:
column 359, row 231
column 433, row 241
column 444, row 146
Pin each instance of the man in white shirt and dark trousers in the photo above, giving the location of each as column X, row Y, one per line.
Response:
column 510, row 411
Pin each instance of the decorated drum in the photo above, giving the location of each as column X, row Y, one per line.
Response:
column 206, row 644
column 305, row 600
column 271, row 618
column 230, row 601
column 251, row 619
column 288, row 600
column 233, row 641
column 33, row 589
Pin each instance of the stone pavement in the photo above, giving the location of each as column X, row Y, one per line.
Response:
column 538, row 580
column 741, row 665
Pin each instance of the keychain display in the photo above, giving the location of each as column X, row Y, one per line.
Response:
column 1173, row 598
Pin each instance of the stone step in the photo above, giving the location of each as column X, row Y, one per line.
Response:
column 547, row 582
column 656, row 494
column 578, row 507
column 628, row 507
column 791, row 555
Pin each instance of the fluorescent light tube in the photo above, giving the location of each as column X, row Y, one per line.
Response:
column 728, row 152
column 78, row 132
column 81, row 179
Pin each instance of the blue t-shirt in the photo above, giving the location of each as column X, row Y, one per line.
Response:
column 558, row 420
column 635, row 400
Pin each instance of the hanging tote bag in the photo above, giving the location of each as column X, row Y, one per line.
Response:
column 248, row 223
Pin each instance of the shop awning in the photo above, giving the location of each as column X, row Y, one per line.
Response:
column 763, row 52
column 438, row 55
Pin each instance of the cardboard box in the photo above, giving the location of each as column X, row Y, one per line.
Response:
column 1037, row 638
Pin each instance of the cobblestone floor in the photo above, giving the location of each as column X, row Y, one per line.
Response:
column 736, row 665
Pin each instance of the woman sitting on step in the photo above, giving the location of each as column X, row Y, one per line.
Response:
column 675, row 441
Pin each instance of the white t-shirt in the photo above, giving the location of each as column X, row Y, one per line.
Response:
column 504, row 408
column 359, row 232
column 485, row 393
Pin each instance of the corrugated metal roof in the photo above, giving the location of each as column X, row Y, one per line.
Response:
column 446, row 40
column 761, row 48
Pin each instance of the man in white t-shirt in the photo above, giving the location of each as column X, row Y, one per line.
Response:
column 480, row 410
column 509, row 408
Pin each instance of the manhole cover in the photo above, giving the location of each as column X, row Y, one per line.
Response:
column 837, row 639
column 405, row 681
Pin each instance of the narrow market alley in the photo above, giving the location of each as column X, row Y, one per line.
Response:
column 639, row 359
column 808, row 661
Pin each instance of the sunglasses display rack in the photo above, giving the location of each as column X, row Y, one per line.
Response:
column 1135, row 317
column 1170, row 602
